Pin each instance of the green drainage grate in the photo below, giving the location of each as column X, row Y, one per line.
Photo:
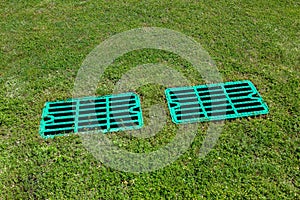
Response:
column 106, row 114
column 214, row 102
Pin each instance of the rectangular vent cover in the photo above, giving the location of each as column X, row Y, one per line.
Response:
column 106, row 114
column 214, row 102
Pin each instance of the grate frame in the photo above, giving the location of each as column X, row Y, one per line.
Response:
column 110, row 113
column 212, row 102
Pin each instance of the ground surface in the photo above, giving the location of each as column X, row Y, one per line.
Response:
column 43, row 44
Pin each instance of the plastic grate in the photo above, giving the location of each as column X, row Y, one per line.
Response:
column 107, row 114
column 214, row 102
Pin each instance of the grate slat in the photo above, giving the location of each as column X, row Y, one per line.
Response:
column 215, row 102
column 105, row 114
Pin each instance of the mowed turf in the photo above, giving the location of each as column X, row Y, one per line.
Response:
column 42, row 46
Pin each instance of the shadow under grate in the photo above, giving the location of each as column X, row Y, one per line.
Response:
column 214, row 102
column 106, row 114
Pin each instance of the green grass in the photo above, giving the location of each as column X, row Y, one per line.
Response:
column 43, row 44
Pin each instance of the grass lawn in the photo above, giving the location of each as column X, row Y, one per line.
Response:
column 43, row 44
